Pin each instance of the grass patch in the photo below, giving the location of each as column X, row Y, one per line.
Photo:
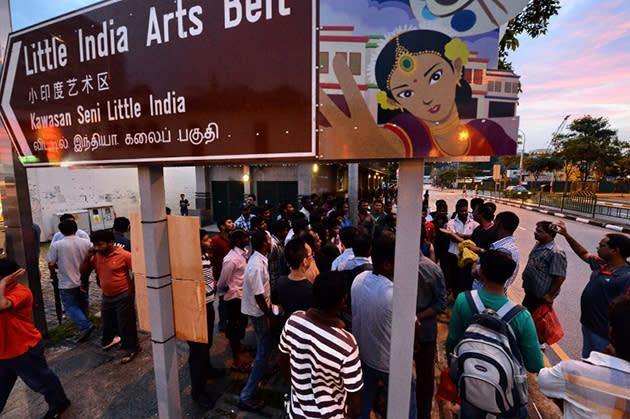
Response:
column 67, row 329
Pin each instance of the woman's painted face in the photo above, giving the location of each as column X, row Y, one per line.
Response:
column 427, row 90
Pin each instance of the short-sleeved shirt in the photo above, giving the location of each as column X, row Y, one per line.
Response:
column 68, row 254
column 255, row 282
column 80, row 234
column 506, row 245
column 484, row 236
column 208, row 277
column 232, row 273
column 220, row 248
column 372, row 306
column 431, row 293
column 603, row 286
column 113, row 271
column 17, row 331
column 277, row 263
column 522, row 325
column 346, row 255
column 460, row 228
column 294, row 295
column 244, row 223
column 121, row 240
column 325, row 366
column 594, row 388
column 543, row 264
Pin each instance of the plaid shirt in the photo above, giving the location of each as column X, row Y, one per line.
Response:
column 277, row 263
column 543, row 264
column 243, row 224
column 505, row 245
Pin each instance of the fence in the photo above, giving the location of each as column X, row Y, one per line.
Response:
column 578, row 202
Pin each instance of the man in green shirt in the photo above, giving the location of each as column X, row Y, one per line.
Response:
column 495, row 268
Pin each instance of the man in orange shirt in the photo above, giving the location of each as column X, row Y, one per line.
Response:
column 21, row 345
column 113, row 266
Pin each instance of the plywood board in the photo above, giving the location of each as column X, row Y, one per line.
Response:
column 142, row 302
column 184, row 248
column 137, row 244
column 189, row 308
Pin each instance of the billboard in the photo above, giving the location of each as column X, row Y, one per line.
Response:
column 164, row 81
column 415, row 78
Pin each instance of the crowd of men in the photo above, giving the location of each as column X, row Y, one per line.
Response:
column 318, row 292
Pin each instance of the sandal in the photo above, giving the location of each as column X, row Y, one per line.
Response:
column 129, row 356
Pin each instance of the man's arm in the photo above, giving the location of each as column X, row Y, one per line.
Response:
column 575, row 246
column 284, row 365
column 555, row 288
column 86, row 265
column 226, row 274
column 354, row 404
column 5, row 303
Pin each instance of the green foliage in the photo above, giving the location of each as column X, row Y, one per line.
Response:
column 537, row 165
column 446, row 178
column 533, row 21
column 510, row 161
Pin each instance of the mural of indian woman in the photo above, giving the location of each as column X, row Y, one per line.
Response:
column 420, row 77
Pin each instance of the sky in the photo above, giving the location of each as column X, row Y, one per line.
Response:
column 581, row 66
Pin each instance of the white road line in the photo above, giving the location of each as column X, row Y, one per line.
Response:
column 557, row 214
column 544, row 211
column 582, row 220
column 613, row 227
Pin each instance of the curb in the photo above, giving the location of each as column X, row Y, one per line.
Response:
column 571, row 217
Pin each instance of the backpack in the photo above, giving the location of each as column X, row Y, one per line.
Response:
column 486, row 364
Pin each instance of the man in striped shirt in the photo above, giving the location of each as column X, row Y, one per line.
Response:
column 319, row 358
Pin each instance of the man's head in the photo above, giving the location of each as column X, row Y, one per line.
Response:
column 483, row 213
column 441, row 207
column 462, row 210
column 614, row 247
column 259, row 223
column 330, row 199
column 266, row 212
column 182, row 196
column 543, row 233
column 315, row 199
column 239, row 238
column 245, row 210
column 297, row 255
column 362, row 245
column 280, row 229
column 121, row 224
column 619, row 327
column 347, row 235
column 225, row 224
column 68, row 227
column 261, row 242
column 377, row 207
column 306, row 202
column 103, row 241
column 475, row 202
column 329, row 292
column 299, row 224
column 7, row 267
column 506, row 223
column 251, row 200
column 496, row 266
column 364, row 206
column 204, row 239
column 66, row 216
column 383, row 254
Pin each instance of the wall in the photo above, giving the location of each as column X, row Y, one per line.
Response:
column 55, row 190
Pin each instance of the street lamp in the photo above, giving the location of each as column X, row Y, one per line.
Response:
column 521, row 134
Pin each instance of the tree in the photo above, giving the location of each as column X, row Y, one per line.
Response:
column 534, row 21
column 446, row 178
column 510, row 161
column 537, row 165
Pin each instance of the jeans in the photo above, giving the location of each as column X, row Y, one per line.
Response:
column 424, row 357
column 119, row 316
column 32, row 368
column 592, row 342
column 75, row 302
column 469, row 411
column 263, row 348
column 199, row 358
column 370, row 388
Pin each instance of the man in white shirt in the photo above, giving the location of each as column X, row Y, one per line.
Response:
column 59, row 235
column 462, row 226
column 256, row 303
column 346, row 235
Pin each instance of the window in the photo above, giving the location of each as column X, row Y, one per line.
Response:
column 516, row 87
column 355, row 63
column 468, row 75
column 501, row 109
column 508, row 88
column 323, row 62
column 491, row 86
column 497, row 86
column 478, row 77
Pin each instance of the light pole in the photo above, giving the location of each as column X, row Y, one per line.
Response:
column 520, row 172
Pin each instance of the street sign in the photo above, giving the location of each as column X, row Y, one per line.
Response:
column 496, row 172
column 181, row 81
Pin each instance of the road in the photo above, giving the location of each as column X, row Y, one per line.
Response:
column 567, row 304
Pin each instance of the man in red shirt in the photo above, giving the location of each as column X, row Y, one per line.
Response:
column 21, row 345
column 221, row 246
column 113, row 266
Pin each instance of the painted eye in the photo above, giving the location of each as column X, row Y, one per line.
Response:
column 405, row 94
column 435, row 77
column 443, row 8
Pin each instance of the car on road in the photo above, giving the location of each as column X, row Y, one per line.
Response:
column 518, row 191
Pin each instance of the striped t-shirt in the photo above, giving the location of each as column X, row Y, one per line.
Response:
column 211, row 283
column 325, row 366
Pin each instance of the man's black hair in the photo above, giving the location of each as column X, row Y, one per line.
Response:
column 440, row 203
column 618, row 316
column 299, row 224
column 340, row 203
column 461, row 203
column 279, row 225
column 475, row 202
column 121, row 224
column 259, row 238
column 202, row 233
column 347, row 235
column 492, row 205
column 256, row 222
column 508, row 221
column 8, row 266
column 620, row 242
column 252, row 196
column 329, row 290
column 486, row 212
column 497, row 266
column 305, row 200
column 331, row 222
column 168, row 211
column 384, row 249
column 104, row 236
column 68, row 227
column 66, row 216
column 295, row 253
column 221, row 221
column 362, row 245
column 546, row 227
column 236, row 235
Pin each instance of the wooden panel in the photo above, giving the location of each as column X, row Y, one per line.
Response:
column 189, row 307
column 137, row 244
column 184, row 248
column 142, row 302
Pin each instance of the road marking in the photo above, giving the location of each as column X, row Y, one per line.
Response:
column 558, row 350
column 546, row 361
column 582, row 220
column 543, row 211
column 613, row 227
column 558, row 214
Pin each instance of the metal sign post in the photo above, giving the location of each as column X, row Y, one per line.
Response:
column 410, row 182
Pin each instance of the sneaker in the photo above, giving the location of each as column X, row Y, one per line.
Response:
column 113, row 343
column 83, row 335
column 56, row 412
column 251, row 406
